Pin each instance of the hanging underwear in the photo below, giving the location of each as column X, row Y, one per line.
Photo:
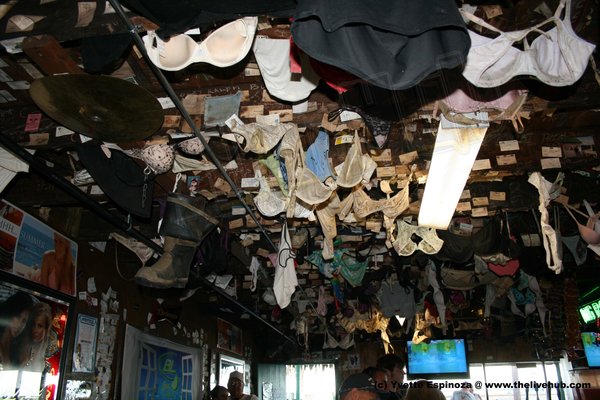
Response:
column 357, row 166
column 261, row 138
column 317, row 156
column 379, row 128
column 586, row 231
column 192, row 146
column 273, row 59
column 351, row 269
column 224, row 47
column 396, row 299
column 272, row 162
column 576, row 247
column 218, row 109
column 547, row 192
column 158, row 157
column 557, row 57
column 458, row 102
column 404, row 245
column 509, row 269
column 344, row 343
column 267, row 202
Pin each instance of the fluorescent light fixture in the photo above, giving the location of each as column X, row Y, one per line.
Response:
column 456, row 147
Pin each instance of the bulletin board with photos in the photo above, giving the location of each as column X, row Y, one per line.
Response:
column 36, row 325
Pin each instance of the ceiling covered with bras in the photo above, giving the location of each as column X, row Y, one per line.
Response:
column 311, row 144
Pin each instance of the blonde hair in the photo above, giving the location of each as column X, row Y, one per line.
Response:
column 421, row 390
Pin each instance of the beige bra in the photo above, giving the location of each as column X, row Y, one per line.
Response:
column 224, row 47
column 267, row 202
column 404, row 245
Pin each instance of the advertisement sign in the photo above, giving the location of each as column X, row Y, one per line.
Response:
column 32, row 250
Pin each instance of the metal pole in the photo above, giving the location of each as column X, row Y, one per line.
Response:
column 93, row 205
column 167, row 86
column 72, row 190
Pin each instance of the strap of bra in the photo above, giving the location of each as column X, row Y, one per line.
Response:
column 479, row 21
column 512, row 113
column 564, row 4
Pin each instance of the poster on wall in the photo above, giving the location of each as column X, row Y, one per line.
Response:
column 32, row 250
column 84, row 354
column 229, row 337
column 155, row 368
column 32, row 364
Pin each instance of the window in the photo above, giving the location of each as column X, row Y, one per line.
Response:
column 310, row 382
column 147, row 383
column 186, row 378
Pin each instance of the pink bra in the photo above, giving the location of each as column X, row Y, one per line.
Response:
column 557, row 57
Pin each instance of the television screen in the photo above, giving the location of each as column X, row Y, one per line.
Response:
column 438, row 358
column 591, row 346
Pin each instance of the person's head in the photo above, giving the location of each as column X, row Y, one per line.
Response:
column 40, row 321
column 394, row 365
column 423, row 390
column 14, row 313
column 235, row 384
column 219, row 393
column 359, row 387
column 380, row 377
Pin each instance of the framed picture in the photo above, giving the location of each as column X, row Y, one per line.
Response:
column 155, row 368
column 84, row 354
column 32, row 250
column 36, row 320
column 229, row 337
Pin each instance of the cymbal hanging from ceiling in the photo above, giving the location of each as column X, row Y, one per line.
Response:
column 101, row 107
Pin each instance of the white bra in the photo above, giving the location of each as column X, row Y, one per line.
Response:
column 224, row 47
column 557, row 57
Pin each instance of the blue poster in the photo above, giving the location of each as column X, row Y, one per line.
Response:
column 164, row 374
column 45, row 256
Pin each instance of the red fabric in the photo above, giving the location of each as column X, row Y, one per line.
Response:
column 337, row 78
column 510, row 269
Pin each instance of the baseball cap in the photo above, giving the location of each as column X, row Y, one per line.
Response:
column 360, row 382
column 236, row 375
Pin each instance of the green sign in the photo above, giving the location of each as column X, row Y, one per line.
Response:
column 590, row 312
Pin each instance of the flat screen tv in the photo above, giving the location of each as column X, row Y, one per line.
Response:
column 446, row 358
column 591, row 346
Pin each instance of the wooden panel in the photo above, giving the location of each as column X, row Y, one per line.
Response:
column 49, row 55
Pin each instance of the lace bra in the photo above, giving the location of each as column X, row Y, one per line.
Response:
column 404, row 245
column 557, row 57
column 159, row 157
column 224, row 47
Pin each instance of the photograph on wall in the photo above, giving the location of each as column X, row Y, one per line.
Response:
column 193, row 183
column 11, row 219
column 84, row 354
column 34, row 251
column 155, row 368
column 229, row 337
column 33, row 328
